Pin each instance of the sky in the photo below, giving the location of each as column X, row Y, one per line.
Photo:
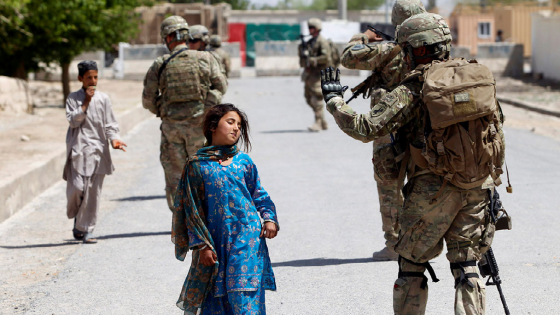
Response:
column 445, row 6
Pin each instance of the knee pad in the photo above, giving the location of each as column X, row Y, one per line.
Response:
column 418, row 274
column 464, row 276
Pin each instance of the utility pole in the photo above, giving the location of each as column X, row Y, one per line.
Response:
column 342, row 12
column 387, row 5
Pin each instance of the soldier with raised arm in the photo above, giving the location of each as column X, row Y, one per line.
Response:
column 177, row 88
column 454, row 154
column 367, row 51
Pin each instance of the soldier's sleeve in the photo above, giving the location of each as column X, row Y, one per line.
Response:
column 151, row 89
column 361, row 55
column 227, row 64
column 324, row 57
column 393, row 111
column 217, row 77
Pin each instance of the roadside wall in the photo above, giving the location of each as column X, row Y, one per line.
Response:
column 546, row 45
column 504, row 59
column 14, row 96
column 135, row 60
column 297, row 17
column 17, row 193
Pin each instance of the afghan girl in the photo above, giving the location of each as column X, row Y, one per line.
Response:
column 224, row 215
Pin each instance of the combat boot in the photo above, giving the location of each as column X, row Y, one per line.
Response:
column 386, row 254
column 324, row 124
column 316, row 127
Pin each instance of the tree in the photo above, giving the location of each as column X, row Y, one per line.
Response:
column 59, row 30
column 14, row 40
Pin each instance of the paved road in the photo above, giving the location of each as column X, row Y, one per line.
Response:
column 323, row 187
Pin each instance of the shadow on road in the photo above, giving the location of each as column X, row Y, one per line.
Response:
column 102, row 237
column 140, row 198
column 127, row 235
column 72, row 242
column 319, row 262
column 286, row 131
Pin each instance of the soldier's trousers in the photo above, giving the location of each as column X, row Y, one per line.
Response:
column 314, row 95
column 83, row 194
column 386, row 173
column 459, row 217
column 179, row 140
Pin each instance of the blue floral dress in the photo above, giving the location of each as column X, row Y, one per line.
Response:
column 234, row 199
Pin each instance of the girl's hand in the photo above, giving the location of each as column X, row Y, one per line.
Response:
column 269, row 230
column 207, row 257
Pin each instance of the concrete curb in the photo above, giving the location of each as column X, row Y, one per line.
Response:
column 528, row 106
column 23, row 189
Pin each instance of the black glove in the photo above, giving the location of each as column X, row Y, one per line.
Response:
column 330, row 83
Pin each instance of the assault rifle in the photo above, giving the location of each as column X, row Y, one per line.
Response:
column 304, row 49
column 381, row 34
column 363, row 87
column 488, row 266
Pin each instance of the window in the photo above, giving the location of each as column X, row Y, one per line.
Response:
column 484, row 30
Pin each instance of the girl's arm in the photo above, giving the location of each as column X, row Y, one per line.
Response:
column 261, row 199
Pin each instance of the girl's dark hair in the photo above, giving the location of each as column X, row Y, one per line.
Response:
column 212, row 118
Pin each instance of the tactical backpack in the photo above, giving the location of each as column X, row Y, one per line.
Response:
column 335, row 54
column 462, row 142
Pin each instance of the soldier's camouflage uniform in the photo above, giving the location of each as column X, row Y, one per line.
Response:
column 380, row 58
column 183, row 99
column 224, row 57
column 459, row 216
column 319, row 58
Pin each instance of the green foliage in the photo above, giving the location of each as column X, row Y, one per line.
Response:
column 235, row 4
column 59, row 30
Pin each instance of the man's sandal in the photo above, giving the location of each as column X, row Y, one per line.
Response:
column 88, row 240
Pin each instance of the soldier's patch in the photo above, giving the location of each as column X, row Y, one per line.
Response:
column 358, row 47
column 386, row 102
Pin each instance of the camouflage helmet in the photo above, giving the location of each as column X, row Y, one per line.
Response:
column 422, row 30
column 215, row 41
column 403, row 9
column 315, row 22
column 199, row 32
column 173, row 24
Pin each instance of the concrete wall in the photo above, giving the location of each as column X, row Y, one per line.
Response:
column 135, row 60
column 546, row 45
column 502, row 58
column 214, row 17
column 54, row 72
column 279, row 58
column 14, row 96
column 297, row 17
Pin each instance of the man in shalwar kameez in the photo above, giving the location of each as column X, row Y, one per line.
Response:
column 92, row 127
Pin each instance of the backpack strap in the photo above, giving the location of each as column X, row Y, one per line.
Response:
column 164, row 65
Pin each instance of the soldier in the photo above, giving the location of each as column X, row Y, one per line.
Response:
column 437, row 207
column 179, row 98
column 216, row 45
column 314, row 55
column 385, row 60
column 200, row 40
